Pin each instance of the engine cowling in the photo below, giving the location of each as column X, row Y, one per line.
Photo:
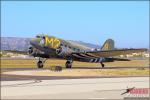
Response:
column 63, row 51
column 35, row 53
column 30, row 50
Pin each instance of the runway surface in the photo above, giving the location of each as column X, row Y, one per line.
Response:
column 95, row 88
column 21, row 83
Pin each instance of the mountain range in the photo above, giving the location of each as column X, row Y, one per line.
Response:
column 22, row 44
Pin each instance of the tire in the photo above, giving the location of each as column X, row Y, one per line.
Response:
column 40, row 64
column 68, row 64
column 103, row 65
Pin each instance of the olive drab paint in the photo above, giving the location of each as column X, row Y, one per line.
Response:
column 108, row 45
column 52, row 42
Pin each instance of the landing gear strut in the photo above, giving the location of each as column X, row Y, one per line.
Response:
column 69, row 62
column 102, row 64
column 41, row 62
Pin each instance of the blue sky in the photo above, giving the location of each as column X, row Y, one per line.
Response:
column 127, row 22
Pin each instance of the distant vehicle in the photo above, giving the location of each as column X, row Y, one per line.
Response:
column 45, row 47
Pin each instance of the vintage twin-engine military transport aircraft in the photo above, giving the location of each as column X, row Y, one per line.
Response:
column 45, row 47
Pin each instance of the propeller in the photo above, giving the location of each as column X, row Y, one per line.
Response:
column 30, row 50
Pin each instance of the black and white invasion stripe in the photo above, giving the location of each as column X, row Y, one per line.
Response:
column 91, row 58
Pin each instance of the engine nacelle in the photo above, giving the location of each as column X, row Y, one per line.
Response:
column 36, row 53
column 63, row 51
column 30, row 50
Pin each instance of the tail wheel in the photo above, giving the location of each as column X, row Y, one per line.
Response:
column 40, row 64
column 68, row 64
column 102, row 65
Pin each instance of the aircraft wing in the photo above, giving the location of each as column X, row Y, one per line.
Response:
column 16, row 51
column 110, row 53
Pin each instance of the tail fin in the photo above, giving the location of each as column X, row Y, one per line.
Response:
column 108, row 45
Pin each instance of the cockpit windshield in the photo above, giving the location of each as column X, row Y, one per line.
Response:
column 40, row 36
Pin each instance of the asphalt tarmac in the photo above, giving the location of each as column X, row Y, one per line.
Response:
column 66, row 87
column 92, row 88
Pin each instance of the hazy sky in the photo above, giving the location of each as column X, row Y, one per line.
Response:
column 127, row 22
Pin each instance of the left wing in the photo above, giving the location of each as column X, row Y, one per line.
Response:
column 17, row 51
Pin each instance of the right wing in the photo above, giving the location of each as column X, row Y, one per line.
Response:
column 98, row 56
column 105, row 53
column 111, row 53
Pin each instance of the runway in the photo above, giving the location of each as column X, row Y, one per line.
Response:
column 31, row 83
column 95, row 88
column 16, row 74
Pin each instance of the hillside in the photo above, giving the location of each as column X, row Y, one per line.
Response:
column 22, row 44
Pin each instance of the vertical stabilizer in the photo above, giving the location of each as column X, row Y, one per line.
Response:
column 108, row 45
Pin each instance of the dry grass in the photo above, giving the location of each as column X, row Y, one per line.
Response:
column 95, row 72
column 82, row 72
column 54, row 62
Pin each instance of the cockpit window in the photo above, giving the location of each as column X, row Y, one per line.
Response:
column 40, row 36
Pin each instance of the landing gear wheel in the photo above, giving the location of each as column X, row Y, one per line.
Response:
column 40, row 64
column 68, row 64
column 102, row 65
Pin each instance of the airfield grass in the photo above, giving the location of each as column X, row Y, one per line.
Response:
column 83, row 68
column 22, row 63
column 96, row 72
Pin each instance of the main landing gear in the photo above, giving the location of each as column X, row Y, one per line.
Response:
column 102, row 64
column 41, row 62
column 68, row 64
